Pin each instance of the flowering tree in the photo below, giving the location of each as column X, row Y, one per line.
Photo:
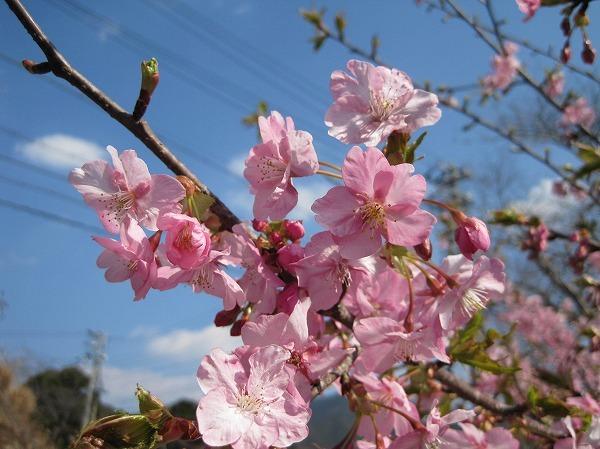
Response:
column 361, row 307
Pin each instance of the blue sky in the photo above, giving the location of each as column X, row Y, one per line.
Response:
column 211, row 76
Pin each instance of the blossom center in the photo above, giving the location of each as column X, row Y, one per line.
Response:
column 436, row 443
column 249, row 403
column 381, row 106
column 184, row 239
column 270, row 169
column 473, row 300
column 341, row 274
column 132, row 265
column 202, row 279
column 406, row 349
column 373, row 214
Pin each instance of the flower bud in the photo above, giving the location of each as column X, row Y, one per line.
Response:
column 276, row 239
column 588, row 55
column 472, row 235
column 260, row 225
column 226, row 317
column 119, row 431
column 288, row 255
column 293, row 229
column 565, row 26
column 150, row 75
column 424, row 250
column 565, row 54
column 287, row 299
column 236, row 329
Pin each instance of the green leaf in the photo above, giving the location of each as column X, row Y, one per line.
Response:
column 532, row 396
column 553, row 406
column 409, row 153
column 121, row 431
column 199, row 203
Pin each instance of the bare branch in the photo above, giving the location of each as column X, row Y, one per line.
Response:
column 466, row 391
column 60, row 67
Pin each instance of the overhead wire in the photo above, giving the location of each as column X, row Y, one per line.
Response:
column 51, row 216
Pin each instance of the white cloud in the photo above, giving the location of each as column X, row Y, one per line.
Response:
column 119, row 386
column 61, row 151
column 557, row 212
column 236, row 165
column 191, row 345
column 307, row 194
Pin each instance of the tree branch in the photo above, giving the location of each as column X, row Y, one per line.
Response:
column 466, row 391
column 61, row 68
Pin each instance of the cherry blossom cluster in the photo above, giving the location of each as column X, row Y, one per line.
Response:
column 356, row 306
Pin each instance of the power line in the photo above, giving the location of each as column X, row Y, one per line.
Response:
column 31, row 167
column 183, row 148
column 190, row 19
column 51, row 216
column 37, row 188
column 181, row 66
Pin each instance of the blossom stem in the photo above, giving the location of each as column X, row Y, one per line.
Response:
column 413, row 422
column 408, row 321
column 330, row 165
column 451, row 282
column 327, row 173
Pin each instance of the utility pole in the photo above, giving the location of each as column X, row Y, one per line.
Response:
column 97, row 356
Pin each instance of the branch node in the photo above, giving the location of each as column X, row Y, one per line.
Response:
column 36, row 68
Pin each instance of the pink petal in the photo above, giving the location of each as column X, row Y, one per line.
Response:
column 410, row 230
column 360, row 168
column 337, row 211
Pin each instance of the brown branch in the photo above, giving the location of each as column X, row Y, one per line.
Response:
column 522, row 73
column 331, row 377
column 61, row 68
column 466, row 391
column 464, row 110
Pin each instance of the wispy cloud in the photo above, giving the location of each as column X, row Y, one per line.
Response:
column 236, row 165
column 107, row 31
column 60, row 151
column 191, row 345
column 558, row 212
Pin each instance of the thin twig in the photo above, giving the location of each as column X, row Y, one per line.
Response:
column 466, row 391
column 61, row 68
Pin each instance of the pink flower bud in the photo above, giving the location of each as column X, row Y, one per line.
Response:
column 472, row 235
column 226, row 317
column 424, row 249
column 287, row 299
column 276, row 239
column 188, row 241
column 288, row 255
column 259, row 225
column 293, row 229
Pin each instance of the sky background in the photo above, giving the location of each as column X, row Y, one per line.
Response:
column 217, row 60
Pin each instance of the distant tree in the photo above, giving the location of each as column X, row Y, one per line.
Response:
column 60, row 402
column 17, row 405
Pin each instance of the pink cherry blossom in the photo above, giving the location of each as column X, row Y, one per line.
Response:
column 471, row 236
column 391, row 394
column 504, row 69
column 247, row 406
column 284, row 154
column 473, row 438
column 379, row 295
column 377, row 200
column 372, row 102
column 188, row 241
column 385, row 342
column 325, row 274
column 131, row 258
column 555, row 84
column 307, row 359
column 588, row 440
column 127, row 189
column 478, row 283
column 529, row 7
column 432, row 435
column 259, row 282
column 578, row 112
column 209, row 277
